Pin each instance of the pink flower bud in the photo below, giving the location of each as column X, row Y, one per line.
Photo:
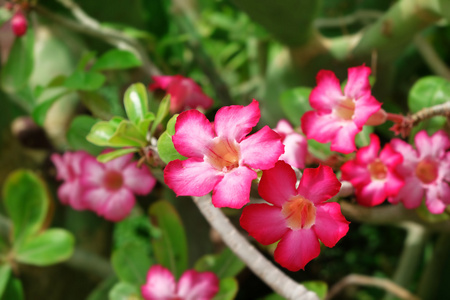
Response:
column 19, row 24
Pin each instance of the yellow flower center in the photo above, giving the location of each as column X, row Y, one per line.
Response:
column 377, row 170
column 223, row 154
column 299, row 213
column 345, row 109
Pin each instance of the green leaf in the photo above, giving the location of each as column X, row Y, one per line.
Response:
column 274, row 297
column 295, row 103
column 114, row 134
column 136, row 102
column 14, row 290
column 101, row 291
column 96, row 104
column 115, row 60
column 5, row 274
column 26, row 201
column 426, row 92
column 144, row 125
column 225, row 264
column 166, row 149
column 5, row 15
column 163, row 110
column 319, row 150
column 40, row 111
column 318, row 287
column 18, row 68
column 87, row 57
column 124, row 291
column 101, row 132
column 228, row 288
column 50, row 247
column 170, row 128
column 362, row 139
column 77, row 133
column 131, row 263
column 171, row 247
column 84, row 81
column 103, row 158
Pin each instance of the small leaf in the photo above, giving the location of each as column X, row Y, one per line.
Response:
column 131, row 263
column 136, row 102
column 126, row 131
column 50, row 247
column 171, row 247
column 228, row 288
column 163, row 110
column 144, row 125
column 166, row 149
column 295, row 103
column 103, row 158
column 26, row 201
column 77, row 133
column 13, row 290
column 5, row 274
column 225, row 264
column 40, row 111
column 318, row 287
column 124, row 291
column 96, row 104
column 102, row 132
column 170, row 128
column 115, row 60
column 87, row 57
column 84, row 81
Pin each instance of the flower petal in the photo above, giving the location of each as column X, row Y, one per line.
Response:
column 234, row 189
column 437, row 197
column 192, row 177
column 160, row 284
column 368, row 154
column 327, row 93
column 322, row 128
column 330, row 225
column 358, row 84
column 297, row 248
column 162, row 82
column 358, row 175
column 193, row 133
column 195, row 285
column 262, row 149
column 264, row 222
column 344, row 140
column 434, row 146
column 70, row 193
column 117, row 206
column 319, row 184
column 372, row 194
column 277, row 185
column 284, row 128
column 365, row 107
column 138, row 180
column 410, row 194
column 93, row 172
column 119, row 163
column 96, row 198
column 389, row 157
column 295, row 150
column 236, row 121
column 410, row 157
column 393, row 184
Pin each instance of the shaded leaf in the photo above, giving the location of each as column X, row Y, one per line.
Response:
column 40, row 111
column 163, row 111
column 131, row 263
column 103, row 158
column 5, row 274
column 295, row 103
column 85, row 59
column 362, row 139
column 225, row 264
column 84, row 81
column 124, row 291
column 228, row 288
column 77, row 133
column 101, row 291
column 96, row 104
column 13, row 290
column 116, row 59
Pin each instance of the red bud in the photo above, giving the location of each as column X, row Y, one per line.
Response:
column 19, row 24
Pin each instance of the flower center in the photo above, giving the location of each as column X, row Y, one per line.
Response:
column 299, row 213
column 377, row 170
column 345, row 109
column 112, row 180
column 223, row 154
column 427, row 171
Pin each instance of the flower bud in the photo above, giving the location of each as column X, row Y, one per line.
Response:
column 19, row 24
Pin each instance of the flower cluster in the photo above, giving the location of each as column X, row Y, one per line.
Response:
column 107, row 189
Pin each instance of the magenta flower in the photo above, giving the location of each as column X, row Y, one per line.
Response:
column 296, row 146
column 110, row 187
column 299, row 217
column 223, row 159
column 68, row 168
column 425, row 170
column 373, row 175
column 338, row 117
column 19, row 24
column 184, row 92
column 192, row 285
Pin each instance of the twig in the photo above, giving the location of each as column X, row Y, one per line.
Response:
column 264, row 269
column 386, row 284
column 362, row 15
column 89, row 26
column 436, row 64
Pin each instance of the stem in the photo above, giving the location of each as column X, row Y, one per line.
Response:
column 429, row 112
column 263, row 268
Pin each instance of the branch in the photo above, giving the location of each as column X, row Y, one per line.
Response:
column 362, row 15
column 385, row 284
column 263, row 268
column 436, row 64
column 90, row 26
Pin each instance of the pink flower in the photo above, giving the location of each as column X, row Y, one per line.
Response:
column 68, row 168
column 373, row 175
column 110, row 187
column 184, row 92
column 222, row 159
column 192, row 285
column 299, row 217
column 296, row 147
column 338, row 117
column 19, row 24
column 426, row 171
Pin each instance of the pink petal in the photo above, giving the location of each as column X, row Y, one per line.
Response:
column 93, row 172
column 120, row 163
column 161, row 82
column 410, row 194
column 96, row 198
column 330, row 225
column 437, row 197
column 295, row 150
column 410, row 158
column 344, row 141
column 264, row 222
column 372, row 194
column 234, row 189
column 117, row 206
column 434, row 146
column 138, row 180
column 368, row 154
column 160, row 284
column 192, row 177
column 389, row 157
column 393, row 184
column 70, row 193
column 358, row 175
column 365, row 107
column 235, row 122
column 319, row 184
column 193, row 133
column 62, row 170
column 195, row 285
column 327, row 93
column 277, row 185
column 297, row 248
column 358, row 84
column 284, row 128
column 322, row 128
column 262, row 149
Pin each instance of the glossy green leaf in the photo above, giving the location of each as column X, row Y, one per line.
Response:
column 84, row 81
column 131, row 263
column 170, row 248
column 13, row 290
column 115, row 60
column 225, row 264
column 127, row 131
column 136, row 102
column 318, row 287
column 163, row 110
column 17, row 70
column 26, row 201
column 124, row 291
column 103, row 158
column 102, row 132
column 115, row 134
column 228, row 288
column 166, row 149
column 5, row 274
column 295, row 103
column 40, row 111
column 77, row 133
column 96, row 104
column 362, row 139
column 50, row 247
column 5, row 15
